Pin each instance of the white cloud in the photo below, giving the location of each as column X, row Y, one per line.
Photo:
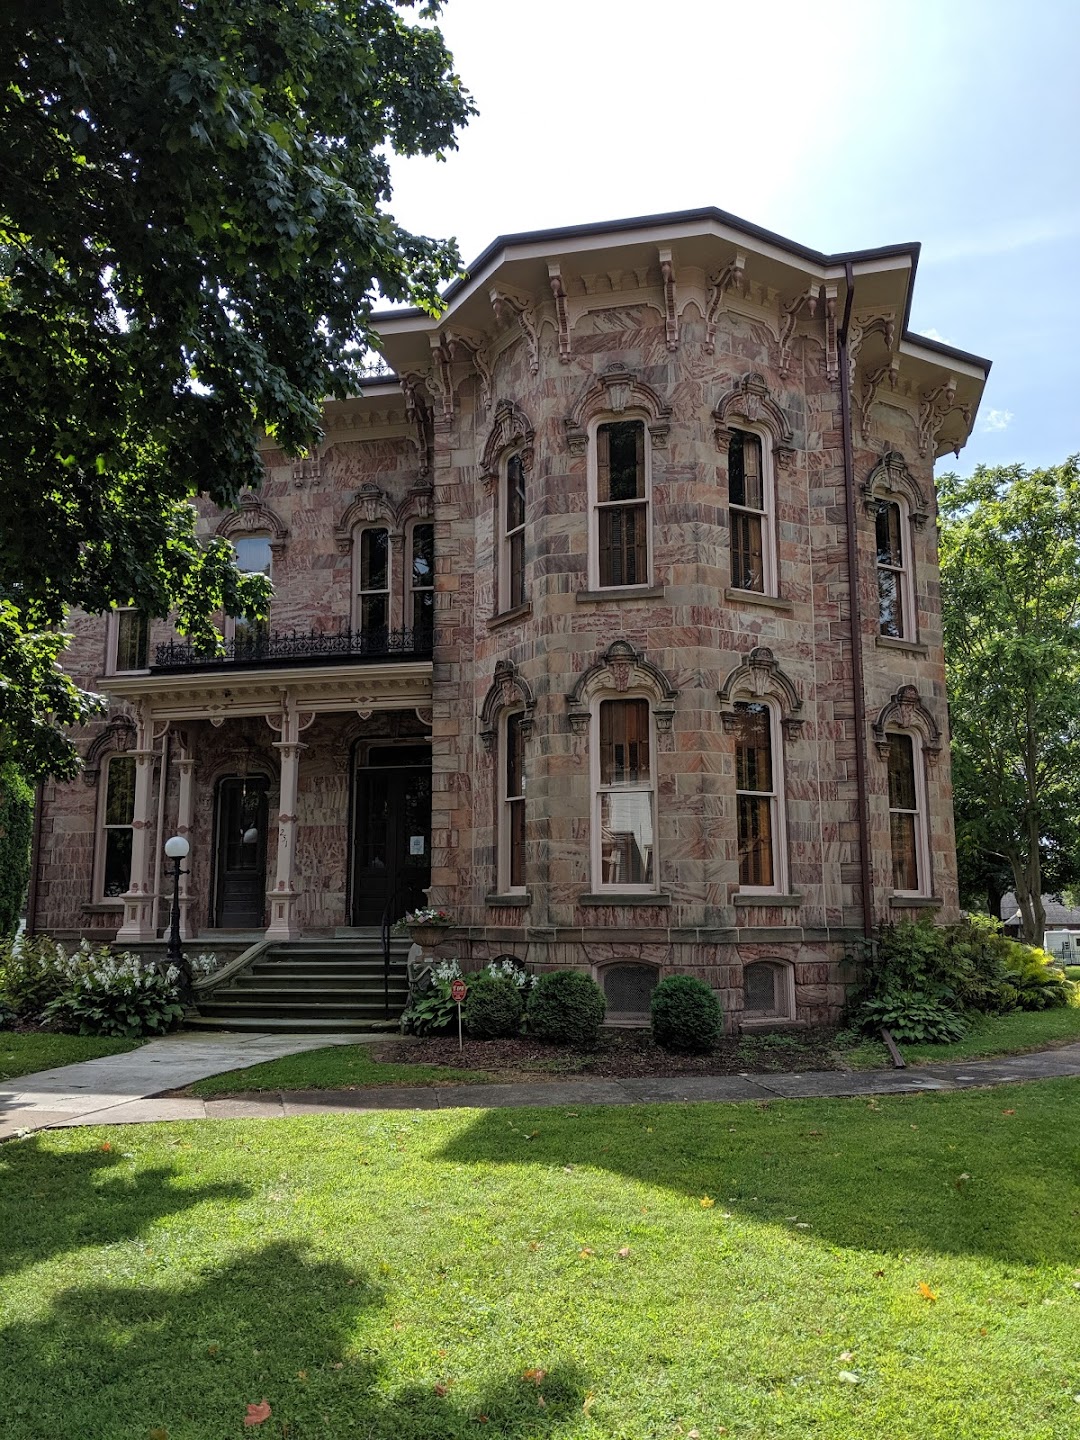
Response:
column 997, row 420
column 932, row 334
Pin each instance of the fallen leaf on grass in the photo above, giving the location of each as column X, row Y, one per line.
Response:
column 585, row 1252
column 961, row 1180
column 534, row 1375
column 105, row 1146
column 587, row 1402
column 442, row 1390
column 879, row 1274
column 624, row 1253
column 706, row 1202
column 849, row 1377
column 159, row 1434
column 257, row 1414
column 1008, row 1112
column 847, row 1355
column 926, row 1292
column 536, row 1244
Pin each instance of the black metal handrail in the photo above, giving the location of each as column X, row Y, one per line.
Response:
column 389, row 918
column 296, row 647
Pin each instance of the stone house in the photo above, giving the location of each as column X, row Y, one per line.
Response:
column 607, row 616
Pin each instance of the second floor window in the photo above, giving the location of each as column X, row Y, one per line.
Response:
column 895, row 608
column 373, row 582
column 622, row 505
column 253, row 557
column 748, row 509
column 131, row 641
column 626, row 796
column 756, row 798
column 117, row 821
column 512, row 535
column 421, row 613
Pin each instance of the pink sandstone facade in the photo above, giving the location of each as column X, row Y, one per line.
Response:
column 563, row 439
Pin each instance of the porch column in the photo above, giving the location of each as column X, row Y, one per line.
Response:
column 139, row 899
column 185, row 812
column 283, row 924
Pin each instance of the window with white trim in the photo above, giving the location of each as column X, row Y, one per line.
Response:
column 511, row 838
column 908, row 839
column 129, row 640
column 372, row 617
column 620, row 528
column 253, row 557
column 759, row 797
column 512, row 534
column 896, row 605
column 624, row 824
column 750, row 505
column 420, row 608
column 116, row 826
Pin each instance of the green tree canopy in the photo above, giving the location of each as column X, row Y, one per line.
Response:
column 192, row 235
column 1010, row 576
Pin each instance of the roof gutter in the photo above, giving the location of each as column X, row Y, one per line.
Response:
column 855, row 613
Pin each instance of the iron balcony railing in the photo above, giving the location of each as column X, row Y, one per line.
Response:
column 296, row 648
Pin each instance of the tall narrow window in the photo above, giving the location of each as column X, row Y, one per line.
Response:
column 253, row 557
column 422, row 579
column 373, row 583
column 117, row 820
column 748, row 512
column 756, row 798
column 131, row 636
column 905, row 819
column 625, row 799
column 622, row 504
column 893, row 576
column 512, row 837
column 512, row 549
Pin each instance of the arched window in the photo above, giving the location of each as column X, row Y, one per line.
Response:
column 768, row 991
column 750, row 514
column 511, row 820
column 254, row 556
column 115, row 827
column 511, row 561
column 896, row 601
column 759, row 797
column 624, row 825
column 621, row 540
column 908, row 839
column 128, row 641
column 371, row 613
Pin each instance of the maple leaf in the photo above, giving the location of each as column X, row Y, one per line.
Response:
column 586, row 1251
column 926, row 1292
column 159, row 1434
column 706, row 1202
column 258, row 1414
column 534, row 1375
column 105, row 1146
column 624, row 1253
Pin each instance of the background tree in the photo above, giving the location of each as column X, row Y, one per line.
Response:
column 192, row 235
column 1010, row 575
column 16, row 825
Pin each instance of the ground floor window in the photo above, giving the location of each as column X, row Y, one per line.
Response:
column 117, row 826
column 768, row 991
column 628, row 991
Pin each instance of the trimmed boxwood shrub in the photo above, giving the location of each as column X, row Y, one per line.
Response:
column 567, row 1008
column 686, row 1015
column 493, row 1007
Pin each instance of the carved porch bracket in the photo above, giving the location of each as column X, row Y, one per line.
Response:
column 935, row 407
column 731, row 276
column 503, row 302
column 752, row 402
column 512, row 428
column 620, row 669
column 562, row 322
column 509, row 690
column 906, row 711
column 760, row 677
column 891, row 476
column 671, row 304
column 790, row 312
column 613, row 393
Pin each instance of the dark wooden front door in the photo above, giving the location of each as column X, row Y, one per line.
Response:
column 391, row 832
column 242, row 816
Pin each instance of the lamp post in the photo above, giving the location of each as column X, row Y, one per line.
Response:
column 176, row 852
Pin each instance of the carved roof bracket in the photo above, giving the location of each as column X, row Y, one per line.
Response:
column 935, row 407
column 473, row 346
column 441, row 378
column 503, row 302
column 562, row 321
column 418, row 411
column 832, row 347
column 671, row 304
column 871, row 382
column 860, row 328
column 731, row 276
column 790, row 312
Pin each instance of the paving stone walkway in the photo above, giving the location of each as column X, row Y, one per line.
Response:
column 88, row 1106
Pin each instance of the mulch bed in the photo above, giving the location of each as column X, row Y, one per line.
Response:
column 620, row 1055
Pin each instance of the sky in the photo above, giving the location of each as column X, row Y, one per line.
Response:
column 840, row 124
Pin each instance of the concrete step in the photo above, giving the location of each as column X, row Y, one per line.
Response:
column 297, row 1009
column 275, row 1023
column 331, row 994
column 321, row 974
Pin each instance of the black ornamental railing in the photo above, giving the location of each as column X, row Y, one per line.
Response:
column 296, row 648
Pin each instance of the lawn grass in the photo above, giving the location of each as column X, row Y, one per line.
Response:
column 1013, row 1034
column 338, row 1067
column 621, row 1273
column 24, row 1052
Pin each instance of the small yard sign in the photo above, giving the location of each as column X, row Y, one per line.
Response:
column 458, row 991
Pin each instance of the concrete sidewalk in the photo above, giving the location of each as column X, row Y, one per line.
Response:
column 132, row 1109
column 103, row 1092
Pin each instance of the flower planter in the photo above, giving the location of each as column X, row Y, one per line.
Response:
column 427, row 935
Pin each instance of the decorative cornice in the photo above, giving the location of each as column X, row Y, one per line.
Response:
column 503, row 301
column 622, row 668
column 760, row 677
column 511, row 428
column 751, row 401
column 562, row 321
column 252, row 515
column 906, row 711
column 508, row 690
column 117, row 736
column 731, row 276
column 891, row 476
column 671, row 306
column 614, row 392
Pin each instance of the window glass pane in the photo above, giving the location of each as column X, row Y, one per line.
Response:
column 515, row 493
column 623, row 548
column 901, row 773
column 753, row 749
column 905, row 864
column 374, row 610
column 755, row 840
column 117, row 875
column 745, row 483
column 423, row 556
column 253, row 554
column 890, row 613
column 624, row 742
column 626, row 837
column 515, row 757
column 516, row 557
column 887, row 528
column 621, row 461
column 120, row 794
column 747, row 564
column 132, row 635
column 375, row 560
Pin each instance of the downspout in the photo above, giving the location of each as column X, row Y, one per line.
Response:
column 855, row 613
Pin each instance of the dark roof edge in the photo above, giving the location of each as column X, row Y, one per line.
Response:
column 943, row 349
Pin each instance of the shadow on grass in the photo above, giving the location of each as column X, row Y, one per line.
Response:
column 123, row 1360
column 982, row 1173
column 52, row 1202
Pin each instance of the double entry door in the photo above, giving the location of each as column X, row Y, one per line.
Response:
column 391, row 832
